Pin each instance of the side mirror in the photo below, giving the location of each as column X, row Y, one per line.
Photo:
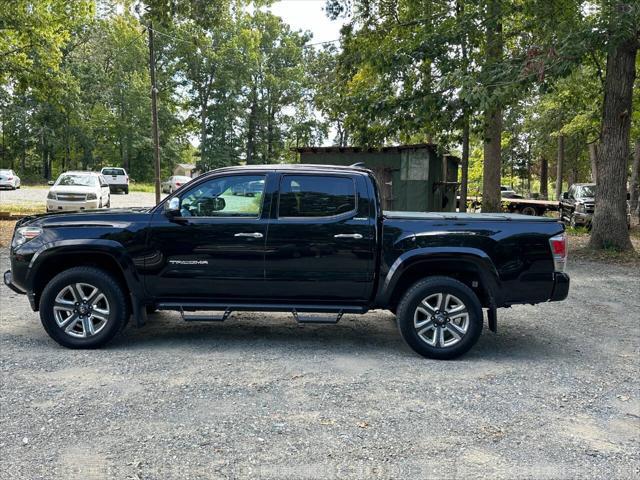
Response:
column 172, row 207
column 218, row 204
column 50, row 182
column 565, row 195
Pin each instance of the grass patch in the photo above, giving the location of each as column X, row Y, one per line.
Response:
column 22, row 208
column 142, row 187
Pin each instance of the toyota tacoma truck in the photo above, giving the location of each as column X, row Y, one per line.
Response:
column 312, row 241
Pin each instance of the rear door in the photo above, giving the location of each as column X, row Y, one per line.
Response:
column 321, row 240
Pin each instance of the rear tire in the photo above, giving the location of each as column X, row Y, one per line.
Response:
column 83, row 307
column 126, row 190
column 440, row 318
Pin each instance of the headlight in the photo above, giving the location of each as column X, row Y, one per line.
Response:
column 580, row 207
column 24, row 234
column 52, row 196
column 91, row 196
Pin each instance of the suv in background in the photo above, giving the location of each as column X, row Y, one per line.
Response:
column 578, row 204
column 117, row 178
column 75, row 191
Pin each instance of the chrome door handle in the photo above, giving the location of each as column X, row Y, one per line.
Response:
column 357, row 236
column 250, row 235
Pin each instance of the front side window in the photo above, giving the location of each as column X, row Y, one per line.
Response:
column 316, row 196
column 225, row 197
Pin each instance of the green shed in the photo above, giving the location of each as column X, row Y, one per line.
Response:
column 411, row 177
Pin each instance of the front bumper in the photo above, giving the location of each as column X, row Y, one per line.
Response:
column 8, row 281
column 583, row 219
column 61, row 206
column 560, row 290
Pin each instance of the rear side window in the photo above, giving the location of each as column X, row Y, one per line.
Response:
column 112, row 171
column 316, row 196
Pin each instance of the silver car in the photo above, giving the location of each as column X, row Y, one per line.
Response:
column 8, row 179
column 174, row 183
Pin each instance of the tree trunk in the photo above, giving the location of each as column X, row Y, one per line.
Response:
column 544, row 178
column 634, row 187
column 559, row 167
column 593, row 157
column 464, row 175
column 493, row 115
column 203, row 133
column 610, row 217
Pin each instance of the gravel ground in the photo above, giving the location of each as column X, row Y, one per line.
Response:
column 555, row 394
column 36, row 196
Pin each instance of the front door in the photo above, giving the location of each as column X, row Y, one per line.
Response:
column 321, row 241
column 214, row 250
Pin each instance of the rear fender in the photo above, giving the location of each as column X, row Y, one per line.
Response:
column 469, row 259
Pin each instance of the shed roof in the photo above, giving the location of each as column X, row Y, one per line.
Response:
column 393, row 148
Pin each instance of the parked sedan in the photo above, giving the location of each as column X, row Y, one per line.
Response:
column 174, row 183
column 8, row 179
column 79, row 191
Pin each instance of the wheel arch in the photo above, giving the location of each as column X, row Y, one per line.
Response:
column 55, row 259
column 470, row 266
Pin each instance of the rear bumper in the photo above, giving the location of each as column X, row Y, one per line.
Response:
column 8, row 281
column 560, row 287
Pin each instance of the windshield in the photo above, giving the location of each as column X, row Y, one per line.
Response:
column 586, row 191
column 78, row 180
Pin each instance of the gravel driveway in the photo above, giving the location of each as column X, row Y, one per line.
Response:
column 37, row 196
column 555, row 394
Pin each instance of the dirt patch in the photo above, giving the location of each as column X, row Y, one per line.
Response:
column 579, row 249
column 6, row 232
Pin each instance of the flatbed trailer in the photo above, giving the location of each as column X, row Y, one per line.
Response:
column 525, row 206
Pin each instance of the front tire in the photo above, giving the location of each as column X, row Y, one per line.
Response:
column 440, row 318
column 83, row 307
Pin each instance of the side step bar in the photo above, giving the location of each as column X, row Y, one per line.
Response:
column 317, row 320
column 205, row 318
column 296, row 309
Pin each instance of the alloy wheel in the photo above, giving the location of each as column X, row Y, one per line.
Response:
column 441, row 320
column 81, row 310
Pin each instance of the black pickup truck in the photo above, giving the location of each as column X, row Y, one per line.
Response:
column 309, row 240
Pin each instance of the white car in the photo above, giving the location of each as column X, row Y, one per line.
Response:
column 78, row 191
column 8, row 179
column 117, row 178
column 174, row 183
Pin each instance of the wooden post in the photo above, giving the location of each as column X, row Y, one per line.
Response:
column 559, row 167
column 154, row 112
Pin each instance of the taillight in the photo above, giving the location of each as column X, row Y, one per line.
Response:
column 558, row 245
column 9, row 178
column 126, row 179
column 178, row 184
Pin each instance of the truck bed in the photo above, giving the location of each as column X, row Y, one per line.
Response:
column 506, row 217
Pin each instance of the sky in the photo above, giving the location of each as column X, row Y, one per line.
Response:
column 308, row 15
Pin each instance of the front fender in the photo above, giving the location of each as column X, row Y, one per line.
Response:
column 471, row 259
column 87, row 247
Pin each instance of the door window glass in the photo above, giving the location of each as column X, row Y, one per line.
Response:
column 233, row 196
column 316, row 196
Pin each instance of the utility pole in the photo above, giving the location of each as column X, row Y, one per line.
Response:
column 154, row 112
